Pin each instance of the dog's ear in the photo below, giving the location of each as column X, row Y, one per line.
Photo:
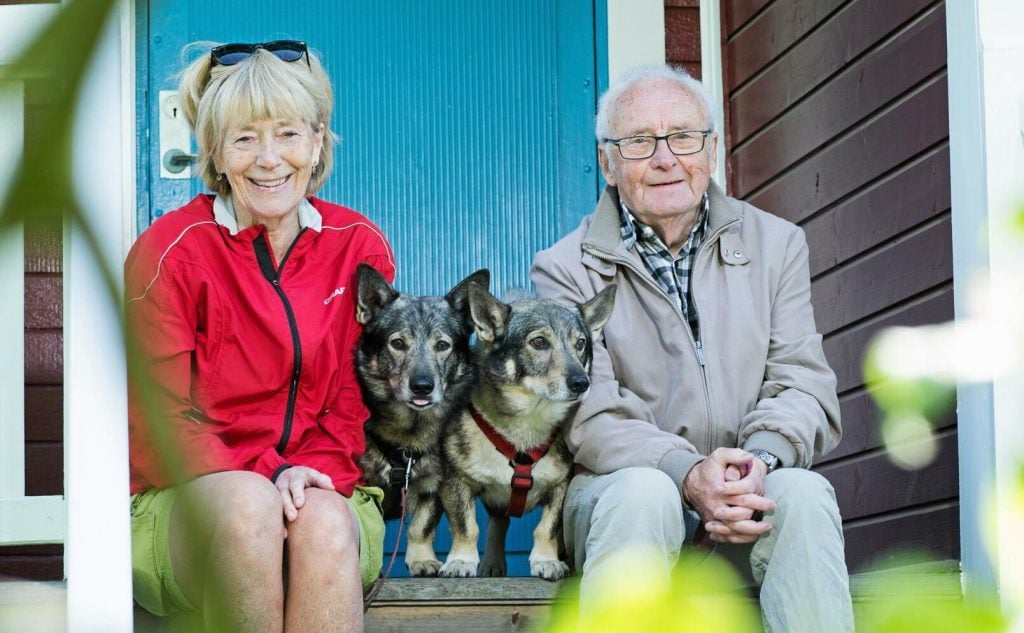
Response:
column 489, row 315
column 373, row 293
column 458, row 297
column 598, row 310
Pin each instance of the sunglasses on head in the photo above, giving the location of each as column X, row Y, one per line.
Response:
column 285, row 50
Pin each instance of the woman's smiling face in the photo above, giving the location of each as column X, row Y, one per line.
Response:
column 268, row 164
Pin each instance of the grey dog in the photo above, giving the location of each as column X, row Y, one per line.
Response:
column 534, row 361
column 414, row 366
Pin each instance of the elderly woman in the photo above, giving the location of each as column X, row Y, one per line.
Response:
column 246, row 417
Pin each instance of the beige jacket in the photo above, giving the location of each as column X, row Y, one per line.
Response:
column 758, row 377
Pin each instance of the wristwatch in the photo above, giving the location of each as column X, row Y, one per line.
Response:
column 771, row 461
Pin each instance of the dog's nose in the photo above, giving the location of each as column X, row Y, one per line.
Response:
column 421, row 386
column 578, row 383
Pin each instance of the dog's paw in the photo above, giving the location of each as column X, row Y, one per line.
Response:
column 459, row 568
column 550, row 569
column 423, row 567
column 493, row 568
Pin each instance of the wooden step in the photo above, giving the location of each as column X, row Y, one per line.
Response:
column 450, row 605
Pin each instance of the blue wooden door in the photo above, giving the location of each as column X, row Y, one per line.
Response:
column 466, row 126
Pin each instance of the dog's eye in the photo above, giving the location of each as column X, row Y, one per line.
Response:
column 581, row 345
column 397, row 344
column 442, row 346
column 539, row 343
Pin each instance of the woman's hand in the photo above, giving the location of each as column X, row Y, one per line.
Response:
column 292, row 484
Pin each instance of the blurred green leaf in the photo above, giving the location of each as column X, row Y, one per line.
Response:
column 705, row 595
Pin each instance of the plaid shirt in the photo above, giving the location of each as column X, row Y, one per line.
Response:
column 672, row 273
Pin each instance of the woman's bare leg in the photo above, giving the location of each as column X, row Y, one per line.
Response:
column 324, row 588
column 227, row 545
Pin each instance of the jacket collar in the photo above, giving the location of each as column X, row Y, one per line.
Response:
column 604, row 235
column 224, row 214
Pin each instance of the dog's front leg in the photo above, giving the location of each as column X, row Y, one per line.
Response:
column 459, row 504
column 544, row 562
column 494, row 552
column 419, row 553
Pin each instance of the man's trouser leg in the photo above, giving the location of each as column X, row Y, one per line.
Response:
column 631, row 508
column 805, row 588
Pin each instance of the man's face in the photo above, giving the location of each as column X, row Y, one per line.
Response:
column 664, row 186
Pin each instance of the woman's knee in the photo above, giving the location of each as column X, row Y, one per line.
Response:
column 236, row 503
column 326, row 523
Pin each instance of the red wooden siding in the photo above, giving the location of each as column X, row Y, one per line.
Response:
column 44, row 367
column 837, row 120
column 682, row 35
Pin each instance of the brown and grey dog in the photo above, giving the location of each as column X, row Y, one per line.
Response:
column 415, row 369
column 534, row 361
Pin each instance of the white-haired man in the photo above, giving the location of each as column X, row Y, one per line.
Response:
column 711, row 394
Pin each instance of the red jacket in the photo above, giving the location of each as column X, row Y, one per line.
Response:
column 252, row 363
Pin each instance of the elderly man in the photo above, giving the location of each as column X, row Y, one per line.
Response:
column 711, row 394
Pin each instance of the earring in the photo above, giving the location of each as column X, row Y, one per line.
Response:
column 220, row 176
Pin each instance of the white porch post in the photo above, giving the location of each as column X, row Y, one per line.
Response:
column 711, row 75
column 986, row 104
column 97, row 555
column 636, row 34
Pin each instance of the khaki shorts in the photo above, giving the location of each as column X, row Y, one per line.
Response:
column 157, row 590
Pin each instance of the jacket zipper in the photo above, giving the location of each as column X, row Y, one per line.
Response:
column 273, row 275
column 698, row 346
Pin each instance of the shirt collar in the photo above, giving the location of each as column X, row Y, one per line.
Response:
column 633, row 230
column 224, row 214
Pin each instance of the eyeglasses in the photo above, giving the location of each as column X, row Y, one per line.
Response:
column 285, row 50
column 679, row 143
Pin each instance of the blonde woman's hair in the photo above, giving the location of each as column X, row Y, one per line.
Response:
column 216, row 98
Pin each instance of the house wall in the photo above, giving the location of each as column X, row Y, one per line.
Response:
column 837, row 120
column 682, row 35
column 44, row 369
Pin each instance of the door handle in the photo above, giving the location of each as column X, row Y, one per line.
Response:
column 177, row 161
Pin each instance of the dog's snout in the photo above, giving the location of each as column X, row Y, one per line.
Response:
column 421, row 385
column 578, row 383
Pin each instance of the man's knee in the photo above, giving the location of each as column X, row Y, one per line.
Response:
column 798, row 491
column 636, row 500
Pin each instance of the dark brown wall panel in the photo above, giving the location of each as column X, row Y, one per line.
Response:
column 682, row 34
column 870, row 484
column 44, row 413
column 886, row 208
column 34, row 562
column 44, row 468
column 862, row 88
column 44, row 357
column 43, row 301
column 846, row 350
column 933, row 530
column 738, row 12
column 912, row 265
column 771, row 33
column 837, row 120
column 867, row 153
column 861, row 419
column 847, row 34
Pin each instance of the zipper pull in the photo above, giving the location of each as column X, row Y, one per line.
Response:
column 700, row 353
